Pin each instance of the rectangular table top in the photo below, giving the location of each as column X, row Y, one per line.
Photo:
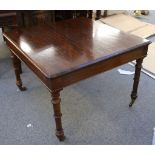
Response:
column 69, row 45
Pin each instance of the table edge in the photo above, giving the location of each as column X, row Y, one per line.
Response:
column 84, row 65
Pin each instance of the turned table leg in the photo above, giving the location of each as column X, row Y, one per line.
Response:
column 3, row 32
column 138, row 67
column 57, row 114
column 20, row 67
column 16, row 64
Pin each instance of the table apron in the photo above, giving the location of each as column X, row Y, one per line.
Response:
column 97, row 68
column 82, row 73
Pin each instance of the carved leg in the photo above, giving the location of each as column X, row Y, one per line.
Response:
column 138, row 67
column 16, row 64
column 57, row 114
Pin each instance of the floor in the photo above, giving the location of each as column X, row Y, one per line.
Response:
column 95, row 111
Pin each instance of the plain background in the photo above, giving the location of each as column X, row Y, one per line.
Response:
column 88, row 5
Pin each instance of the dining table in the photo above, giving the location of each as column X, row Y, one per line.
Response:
column 68, row 51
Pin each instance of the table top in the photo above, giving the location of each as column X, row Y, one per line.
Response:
column 69, row 45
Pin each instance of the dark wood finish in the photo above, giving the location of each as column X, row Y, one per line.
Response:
column 24, row 18
column 138, row 67
column 57, row 113
column 3, row 32
column 68, row 51
column 7, row 19
column 68, row 14
column 90, row 14
column 20, row 67
column 17, row 67
column 98, row 14
column 36, row 17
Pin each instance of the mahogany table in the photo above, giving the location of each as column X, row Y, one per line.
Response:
column 68, row 51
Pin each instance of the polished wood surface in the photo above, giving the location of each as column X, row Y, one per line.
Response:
column 66, row 46
column 68, row 51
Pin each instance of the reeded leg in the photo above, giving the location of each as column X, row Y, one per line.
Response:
column 16, row 64
column 57, row 114
column 138, row 67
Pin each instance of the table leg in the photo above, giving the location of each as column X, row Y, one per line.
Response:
column 138, row 67
column 16, row 64
column 57, row 113
column 98, row 14
column 3, row 32
column 20, row 67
